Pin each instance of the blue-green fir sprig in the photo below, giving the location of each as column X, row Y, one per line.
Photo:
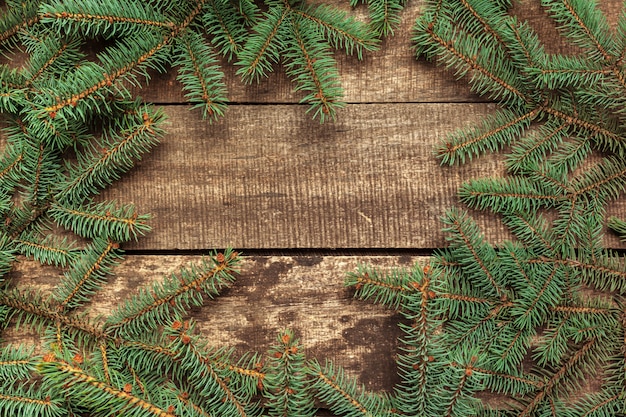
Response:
column 155, row 304
column 301, row 37
column 286, row 385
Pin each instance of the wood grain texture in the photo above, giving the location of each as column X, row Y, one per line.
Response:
column 268, row 177
column 302, row 293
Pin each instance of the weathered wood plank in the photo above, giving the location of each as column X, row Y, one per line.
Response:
column 303, row 293
column 267, row 177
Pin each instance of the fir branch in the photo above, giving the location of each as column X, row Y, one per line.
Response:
column 262, row 50
column 343, row 396
column 105, row 220
column 15, row 20
column 16, row 363
column 7, row 255
column 155, row 304
column 95, row 394
column 465, row 57
column 101, row 164
column 459, row 381
column 109, row 19
column 200, row 75
column 618, row 225
column 314, row 70
column 389, row 289
column 223, row 21
column 48, row 249
column 384, row 15
column 91, row 84
column 496, row 132
column 476, row 257
column 31, row 309
column 285, row 384
column 27, row 400
column 219, row 394
column 340, row 30
column 585, row 25
column 51, row 58
column 87, row 273
column 534, row 147
column 509, row 195
column 533, row 305
column 416, row 363
column 580, row 355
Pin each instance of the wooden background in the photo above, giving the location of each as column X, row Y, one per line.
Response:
column 306, row 203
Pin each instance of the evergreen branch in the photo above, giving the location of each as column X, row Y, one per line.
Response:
column 458, row 381
column 94, row 18
column 87, row 273
column 11, row 166
column 416, row 363
column 385, row 16
column 388, row 289
column 49, row 250
column 585, row 25
column 104, row 220
column 534, row 304
column 96, row 394
column 214, row 389
column 16, row 363
column 51, row 56
column 564, row 72
column 599, row 404
column 7, row 256
column 516, row 344
column 285, row 384
column 552, row 383
column 104, row 161
column 469, row 60
column 607, row 178
column 225, row 26
column 262, row 48
column 343, row 396
column 605, row 273
column 200, row 75
column 534, row 147
column 32, row 309
column 496, row 132
column 570, row 156
column 581, row 310
column 191, row 16
column 29, row 401
column 480, row 22
column 340, row 30
column 617, row 225
column 314, row 70
column 613, row 141
column 512, row 194
column 154, row 305
column 513, row 384
column 91, row 81
column 11, row 24
column 474, row 254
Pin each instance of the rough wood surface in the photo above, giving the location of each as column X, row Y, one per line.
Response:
column 268, row 177
column 273, row 293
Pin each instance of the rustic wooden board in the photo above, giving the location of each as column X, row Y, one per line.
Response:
column 268, row 177
column 303, row 293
